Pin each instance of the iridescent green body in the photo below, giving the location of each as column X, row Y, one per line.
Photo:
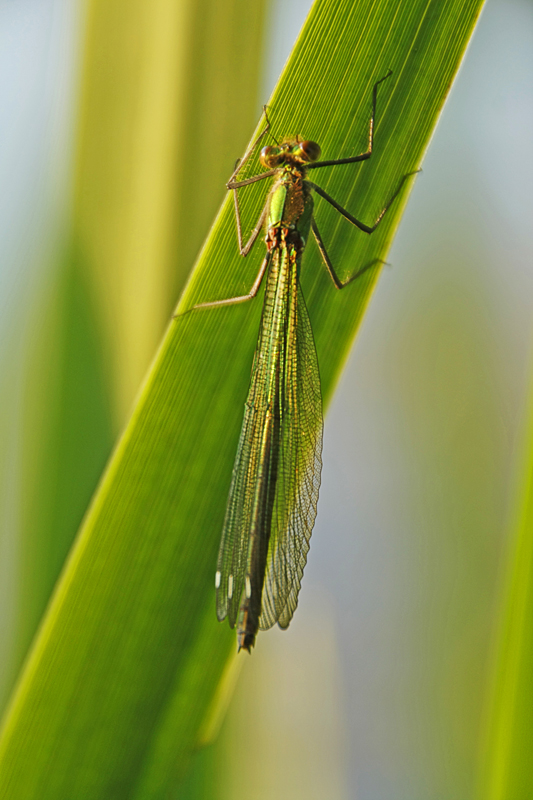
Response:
column 273, row 497
column 276, row 477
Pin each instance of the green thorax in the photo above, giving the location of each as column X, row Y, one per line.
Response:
column 291, row 203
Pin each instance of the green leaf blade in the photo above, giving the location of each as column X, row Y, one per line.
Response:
column 131, row 648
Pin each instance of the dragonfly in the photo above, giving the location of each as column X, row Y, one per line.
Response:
column 273, row 497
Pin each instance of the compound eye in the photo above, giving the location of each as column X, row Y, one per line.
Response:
column 269, row 156
column 309, row 151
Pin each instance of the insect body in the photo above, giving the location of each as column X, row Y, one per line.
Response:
column 273, row 497
column 276, row 477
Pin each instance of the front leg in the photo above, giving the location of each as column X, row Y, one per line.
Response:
column 244, row 249
column 242, row 161
column 234, row 185
column 368, row 151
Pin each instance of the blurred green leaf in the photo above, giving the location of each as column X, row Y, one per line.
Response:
column 149, row 76
column 160, row 82
column 506, row 767
column 67, row 436
column 117, row 690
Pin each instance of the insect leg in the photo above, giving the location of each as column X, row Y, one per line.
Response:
column 254, row 179
column 233, row 185
column 346, row 214
column 229, row 301
column 368, row 151
column 244, row 249
column 329, row 266
column 242, row 161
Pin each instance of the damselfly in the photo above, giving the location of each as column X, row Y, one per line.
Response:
column 273, row 497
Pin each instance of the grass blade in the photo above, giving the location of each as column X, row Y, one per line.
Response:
column 506, row 766
column 130, row 654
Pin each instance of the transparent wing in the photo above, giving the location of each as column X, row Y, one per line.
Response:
column 233, row 553
column 299, row 468
column 251, row 477
column 278, row 460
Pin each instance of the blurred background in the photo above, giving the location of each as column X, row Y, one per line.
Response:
column 378, row 690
